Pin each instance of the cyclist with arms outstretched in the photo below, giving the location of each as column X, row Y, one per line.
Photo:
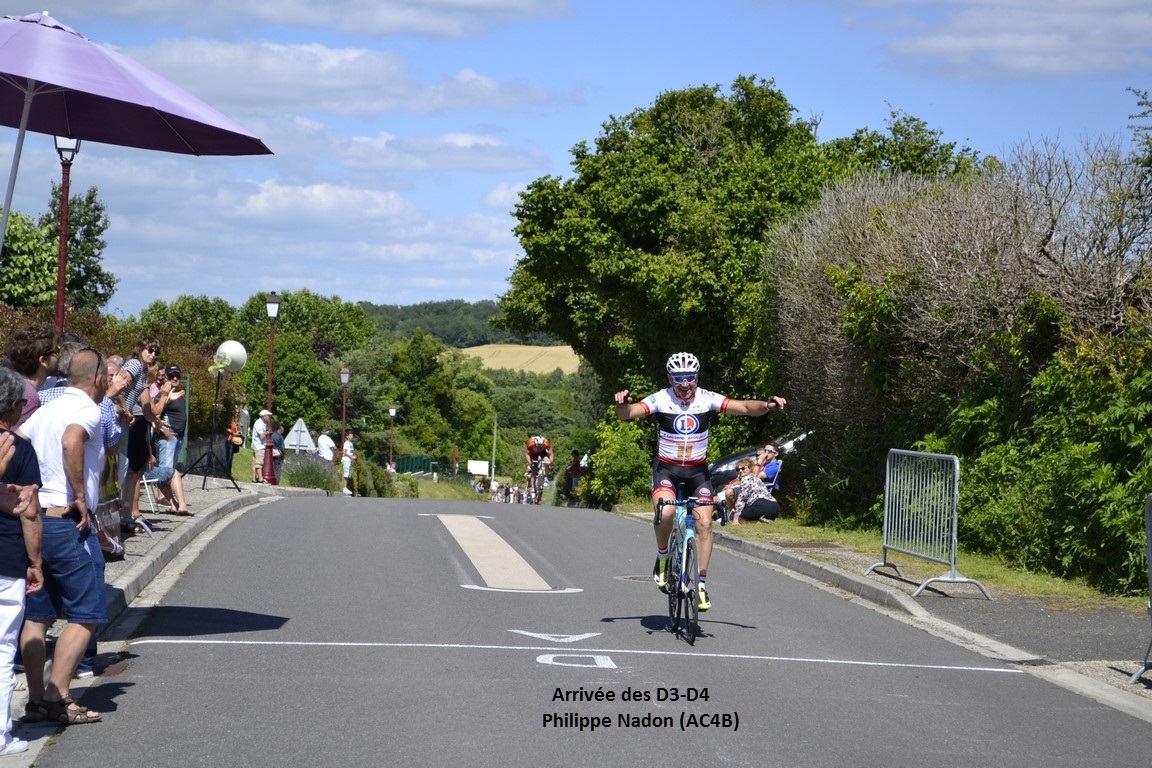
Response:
column 537, row 449
column 684, row 413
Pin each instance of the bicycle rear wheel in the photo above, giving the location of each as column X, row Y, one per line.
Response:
column 691, row 593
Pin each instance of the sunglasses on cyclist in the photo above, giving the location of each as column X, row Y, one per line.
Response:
column 685, row 378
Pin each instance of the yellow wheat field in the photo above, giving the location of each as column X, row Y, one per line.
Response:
column 518, row 357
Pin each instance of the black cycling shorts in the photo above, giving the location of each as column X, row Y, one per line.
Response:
column 695, row 478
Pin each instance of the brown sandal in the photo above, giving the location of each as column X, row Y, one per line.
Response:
column 35, row 712
column 68, row 712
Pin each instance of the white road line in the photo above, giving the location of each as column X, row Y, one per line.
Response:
column 471, row 647
column 565, row 591
column 495, row 560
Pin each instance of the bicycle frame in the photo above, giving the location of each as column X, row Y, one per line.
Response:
column 536, row 479
column 683, row 575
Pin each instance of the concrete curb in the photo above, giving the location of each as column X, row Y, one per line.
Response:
column 879, row 594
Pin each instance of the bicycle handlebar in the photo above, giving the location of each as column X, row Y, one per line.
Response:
column 689, row 503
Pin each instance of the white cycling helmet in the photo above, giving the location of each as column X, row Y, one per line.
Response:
column 538, row 440
column 683, row 362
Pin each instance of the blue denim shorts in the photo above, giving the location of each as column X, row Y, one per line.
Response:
column 73, row 576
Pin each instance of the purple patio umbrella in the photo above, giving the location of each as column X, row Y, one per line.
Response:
column 54, row 80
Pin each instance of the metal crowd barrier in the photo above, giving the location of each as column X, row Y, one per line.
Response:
column 1148, row 551
column 921, row 504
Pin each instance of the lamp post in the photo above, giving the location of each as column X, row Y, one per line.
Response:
column 272, row 304
column 67, row 148
column 345, row 375
column 391, row 434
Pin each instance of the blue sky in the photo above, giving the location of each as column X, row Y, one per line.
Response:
column 402, row 131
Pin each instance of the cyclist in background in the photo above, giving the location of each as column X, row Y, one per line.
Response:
column 537, row 449
column 684, row 412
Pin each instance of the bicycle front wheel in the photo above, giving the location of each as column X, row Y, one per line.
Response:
column 675, row 596
column 691, row 593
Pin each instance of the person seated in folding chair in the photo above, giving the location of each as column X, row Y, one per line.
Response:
column 767, row 470
column 753, row 501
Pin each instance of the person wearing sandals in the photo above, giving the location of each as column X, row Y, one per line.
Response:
column 20, row 535
column 135, row 453
column 66, row 434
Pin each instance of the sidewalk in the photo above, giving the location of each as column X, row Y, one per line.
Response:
column 1091, row 649
column 145, row 556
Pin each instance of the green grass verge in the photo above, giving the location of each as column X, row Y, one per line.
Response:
column 991, row 572
column 460, row 490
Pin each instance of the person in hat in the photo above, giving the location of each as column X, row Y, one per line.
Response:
column 259, row 438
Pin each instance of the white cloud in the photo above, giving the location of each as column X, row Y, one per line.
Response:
column 986, row 39
column 331, row 202
column 368, row 18
column 504, row 197
column 277, row 79
column 455, row 152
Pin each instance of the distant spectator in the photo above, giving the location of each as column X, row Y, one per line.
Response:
column 573, row 473
column 235, row 438
column 326, row 446
column 348, row 456
column 259, row 443
column 278, row 448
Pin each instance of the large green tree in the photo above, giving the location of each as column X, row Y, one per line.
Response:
column 656, row 243
column 87, row 284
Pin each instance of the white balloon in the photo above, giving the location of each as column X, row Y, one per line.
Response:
column 231, row 355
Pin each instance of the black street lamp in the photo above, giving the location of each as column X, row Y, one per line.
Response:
column 67, row 148
column 272, row 304
column 345, row 375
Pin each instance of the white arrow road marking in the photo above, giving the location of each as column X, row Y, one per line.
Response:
column 495, row 560
column 556, row 638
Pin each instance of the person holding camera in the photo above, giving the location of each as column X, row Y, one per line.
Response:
column 170, row 406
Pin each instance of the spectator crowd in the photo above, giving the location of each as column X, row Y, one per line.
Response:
column 66, row 409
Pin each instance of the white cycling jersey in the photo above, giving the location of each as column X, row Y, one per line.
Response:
column 682, row 425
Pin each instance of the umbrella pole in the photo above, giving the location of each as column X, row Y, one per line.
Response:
column 15, row 165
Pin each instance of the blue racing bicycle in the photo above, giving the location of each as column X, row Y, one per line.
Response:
column 682, row 571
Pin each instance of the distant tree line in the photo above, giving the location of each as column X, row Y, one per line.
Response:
column 456, row 322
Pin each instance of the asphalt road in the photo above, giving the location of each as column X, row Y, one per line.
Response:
column 367, row 632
